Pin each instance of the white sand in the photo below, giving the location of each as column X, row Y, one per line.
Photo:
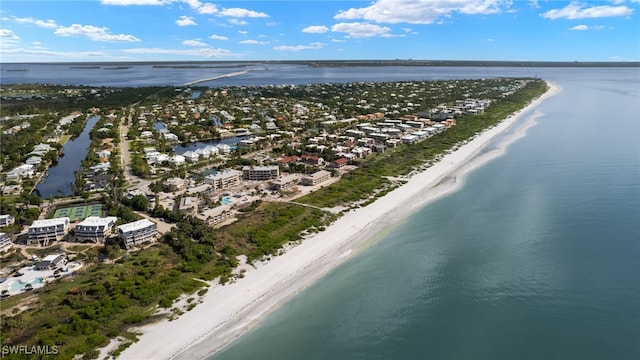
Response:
column 231, row 310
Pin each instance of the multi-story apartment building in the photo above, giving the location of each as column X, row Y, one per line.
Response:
column 5, row 242
column 45, row 231
column 137, row 233
column 95, row 229
column 260, row 173
column 224, row 179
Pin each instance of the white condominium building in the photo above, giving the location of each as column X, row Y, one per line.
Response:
column 137, row 233
column 224, row 179
column 316, row 178
column 260, row 173
column 95, row 229
column 5, row 242
column 45, row 231
column 6, row 220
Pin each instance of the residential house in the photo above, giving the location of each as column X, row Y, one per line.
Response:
column 50, row 262
column 312, row 160
column 191, row 156
column 34, row 160
column 338, row 163
column 21, row 172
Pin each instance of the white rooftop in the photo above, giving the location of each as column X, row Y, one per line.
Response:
column 97, row 221
column 51, row 222
column 136, row 225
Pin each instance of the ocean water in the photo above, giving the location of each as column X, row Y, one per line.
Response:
column 537, row 256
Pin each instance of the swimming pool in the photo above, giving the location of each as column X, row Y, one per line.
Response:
column 19, row 284
column 226, row 200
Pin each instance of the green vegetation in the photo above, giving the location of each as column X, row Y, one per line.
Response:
column 107, row 299
column 83, row 313
column 370, row 176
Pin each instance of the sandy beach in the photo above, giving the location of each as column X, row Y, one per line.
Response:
column 229, row 311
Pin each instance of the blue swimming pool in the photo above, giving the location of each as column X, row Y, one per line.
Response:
column 226, row 200
column 19, row 284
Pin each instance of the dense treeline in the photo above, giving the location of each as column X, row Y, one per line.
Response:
column 58, row 98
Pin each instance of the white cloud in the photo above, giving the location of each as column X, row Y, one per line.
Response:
column 49, row 24
column 253, row 42
column 576, row 10
column 201, row 52
column 237, row 22
column 580, row 27
column 420, row 11
column 185, row 21
column 338, row 40
column 218, row 37
column 196, row 43
column 360, row 30
column 94, row 33
column 243, row 32
column 207, row 8
column 586, row 27
column 242, row 13
column 135, row 2
column 318, row 29
column 312, row 46
column 6, row 34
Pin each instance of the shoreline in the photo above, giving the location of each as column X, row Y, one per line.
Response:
column 229, row 311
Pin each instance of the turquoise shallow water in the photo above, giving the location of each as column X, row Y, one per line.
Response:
column 536, row 257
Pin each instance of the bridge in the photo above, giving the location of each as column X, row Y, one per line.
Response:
column 216, row 77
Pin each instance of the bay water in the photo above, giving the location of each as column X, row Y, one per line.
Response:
column 537, row 256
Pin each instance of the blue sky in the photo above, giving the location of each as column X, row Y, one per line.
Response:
column 173, row 30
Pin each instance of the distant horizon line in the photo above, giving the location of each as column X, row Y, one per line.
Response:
column 370, row 62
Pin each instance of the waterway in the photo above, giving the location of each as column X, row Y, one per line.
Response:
column 61, row 177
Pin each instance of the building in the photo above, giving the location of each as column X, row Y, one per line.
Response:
column 224, row 179
column 216, row 215
column 50, row 262
column 260, row 173
column 5, row 242
column 137, row 233
column 340, row 162
column 312, row 160
column 188, row 204
column 176, row 183
column 285, row 182
column 21, row 172
column 95, row 229
column 45, row 231
column 316, row 178
column 191, row 156
column 34, row 160
column 6, row 220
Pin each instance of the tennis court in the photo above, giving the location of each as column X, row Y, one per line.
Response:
column 79, row 212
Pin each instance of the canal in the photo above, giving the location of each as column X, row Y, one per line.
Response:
column 61, row 177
